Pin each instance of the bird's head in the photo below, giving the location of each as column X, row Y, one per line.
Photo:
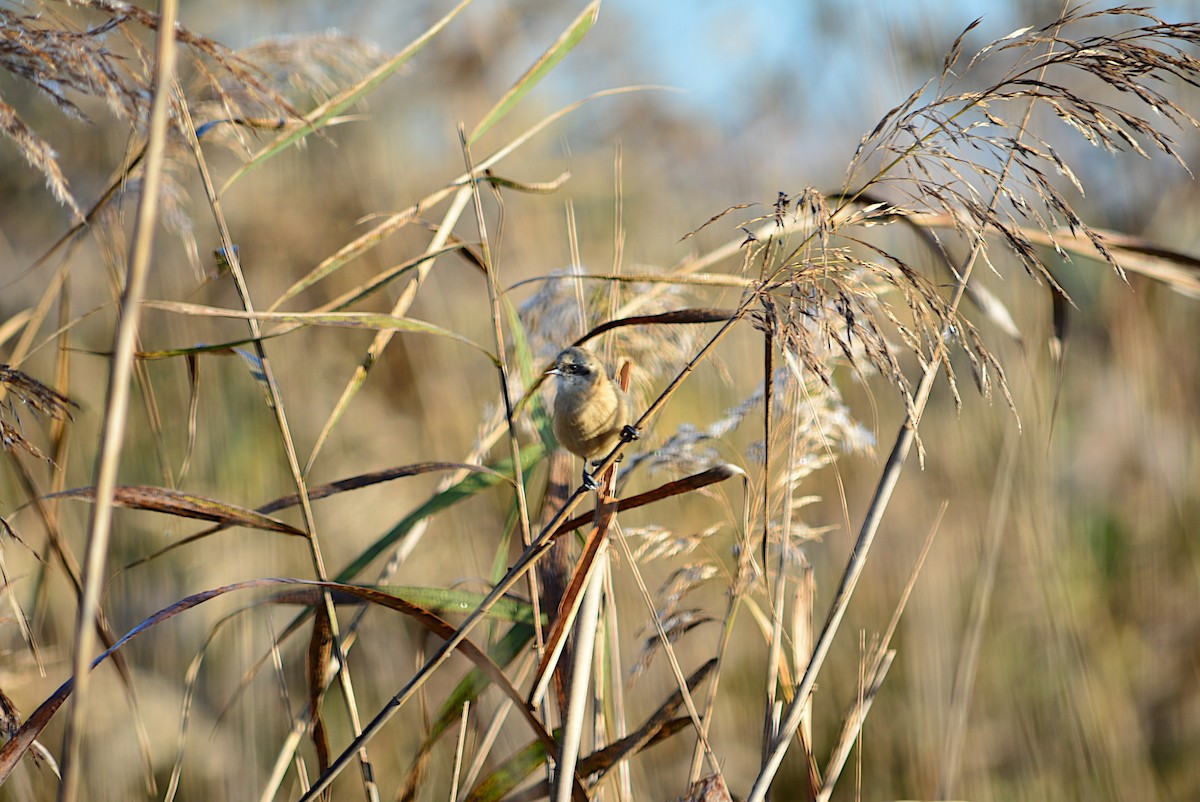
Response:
column 576, row 367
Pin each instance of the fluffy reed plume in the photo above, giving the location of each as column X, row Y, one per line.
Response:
column 967, row 160
column 87, row 50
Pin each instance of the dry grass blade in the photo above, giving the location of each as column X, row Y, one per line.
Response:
column 317, row 492
column 673, row 278
column 1178, row 270
column 320, row 650
column 10, row 722
column 587, row 600
column 379, row 281
column 13, row 323
column 193, row 372
column 677, row 487
column 673, row 318
column 183, row 505
column 349, row 320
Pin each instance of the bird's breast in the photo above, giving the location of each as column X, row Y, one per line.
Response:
column 588, row 421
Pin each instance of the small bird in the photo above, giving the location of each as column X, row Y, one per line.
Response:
column 591, row 413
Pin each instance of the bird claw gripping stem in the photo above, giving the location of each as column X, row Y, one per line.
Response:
column 589, row 481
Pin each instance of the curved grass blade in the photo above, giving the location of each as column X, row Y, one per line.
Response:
column 512, row 772
column 224, row 348
column 22, row 740
column 350, row 320
column 332, row 488
column 459, row 602
column 435, row 624
column 193, row 424
column 344, row 255
column 316, row 667
column 435, row 600
column 678, row 487
column 183, row 505
column 539, row 70
column 323, row 114
column 439, row 502
column 677, row 317
column 229, row 347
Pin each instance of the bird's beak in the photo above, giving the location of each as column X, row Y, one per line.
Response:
column 554, row 371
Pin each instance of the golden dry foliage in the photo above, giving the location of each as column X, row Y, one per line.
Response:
column 386, row 500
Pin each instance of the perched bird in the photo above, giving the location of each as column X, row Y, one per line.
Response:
column 591, row 413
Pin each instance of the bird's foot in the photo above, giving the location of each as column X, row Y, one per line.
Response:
column 589, row 481
column 629, row 434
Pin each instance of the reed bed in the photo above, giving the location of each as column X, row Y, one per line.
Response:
column 294, row 494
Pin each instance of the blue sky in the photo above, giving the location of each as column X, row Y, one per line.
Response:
column 801, row 80
column 714, row 48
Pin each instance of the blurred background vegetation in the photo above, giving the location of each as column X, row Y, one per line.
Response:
column 1088, row 683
